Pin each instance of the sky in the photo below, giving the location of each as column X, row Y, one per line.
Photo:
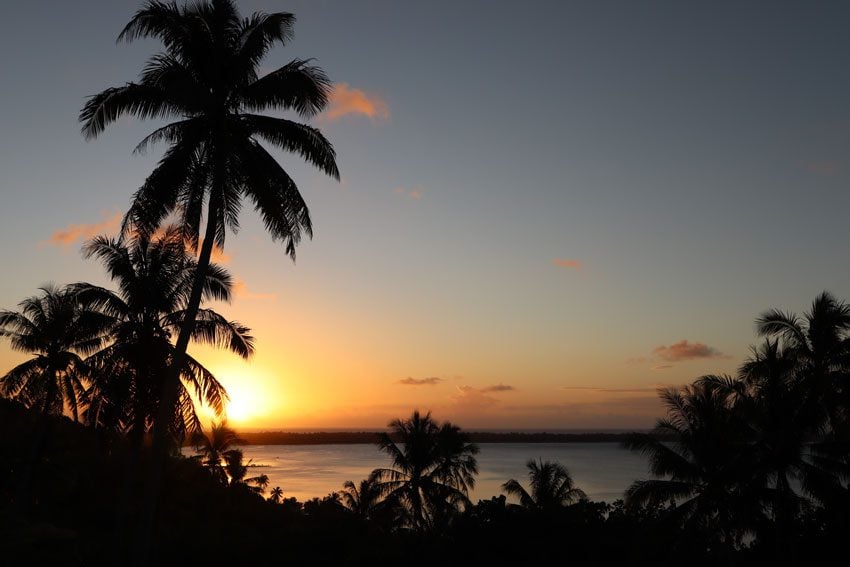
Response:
column 547, row 210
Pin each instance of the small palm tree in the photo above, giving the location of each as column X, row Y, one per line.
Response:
column 361, row 498
column 433, row 469
column 218, row 453
column 276, row 495
column 551, row 487
column 54, row 328
column 154, row 278
column 217, row 449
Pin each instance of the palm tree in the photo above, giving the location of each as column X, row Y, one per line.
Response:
column 217, row 448
column 362, row 498
column 819, row 343
column 154, row 278
column 276, row 495
column 433, row 469
column 54, row 328
column 58, row 332
column 218, row 453
column 703, row 462
column 207, row 80
column 551, row 487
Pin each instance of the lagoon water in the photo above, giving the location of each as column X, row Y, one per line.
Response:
column 602, row 470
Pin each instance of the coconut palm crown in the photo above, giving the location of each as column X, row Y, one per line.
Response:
column 551, row 486
column 54, row 328
column 433, row 468
column 207, row 82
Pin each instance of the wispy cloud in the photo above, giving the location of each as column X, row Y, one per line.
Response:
column 820, row 167
column 415, row 193
column 661, row 367
column 684, row 350
column 470, row 397
column 240, row 289
column 568, row 263
column 612, row 390
column 499, row 388
column 429, row 381
column 346, row 101
column 76, row 233
column 218, row 255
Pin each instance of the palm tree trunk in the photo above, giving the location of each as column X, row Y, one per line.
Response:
column 23, row 497
column 170, row 386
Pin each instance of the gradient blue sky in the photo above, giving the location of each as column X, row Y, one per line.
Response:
column 549, row 198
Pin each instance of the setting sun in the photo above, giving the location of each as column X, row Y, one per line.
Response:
column 240, row 408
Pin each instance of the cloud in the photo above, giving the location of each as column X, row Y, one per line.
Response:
column 684, row 350
column 217, row 255
column 612, row 390
column 825, row 168
column 567, row 263
column 430, row 381
column 499, row 388
column 415, row 193
column 345, row 101
column 74, row 233
column 240, row 289
column 470, row 397
column 661, row 367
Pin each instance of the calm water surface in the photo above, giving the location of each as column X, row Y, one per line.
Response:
column 602, row 470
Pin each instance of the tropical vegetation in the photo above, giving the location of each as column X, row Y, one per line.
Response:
column 207, row 80
column 746, row 469
column 154, row 277
column 433, row 467
column 551, row 486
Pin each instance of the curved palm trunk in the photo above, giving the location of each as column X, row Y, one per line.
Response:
column 170, row 387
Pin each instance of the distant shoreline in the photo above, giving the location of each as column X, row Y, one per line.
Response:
column 369, row 437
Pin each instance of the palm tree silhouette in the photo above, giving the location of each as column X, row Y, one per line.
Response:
column 433, row 469
column 701, row 456
column 361, row 498
column 154, row 277
column 215, row 447
column 819, row 343
column 551, row 487
column 58, row 332
column 276, row 495
column 207, row 80
column 218, row 453
column 54, row 328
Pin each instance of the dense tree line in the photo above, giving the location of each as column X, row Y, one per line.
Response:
column 748, row 468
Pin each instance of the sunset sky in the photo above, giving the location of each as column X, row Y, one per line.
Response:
column 547, row 209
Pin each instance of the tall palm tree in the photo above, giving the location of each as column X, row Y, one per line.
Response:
column 703, row 464
column 433, row 469
column 208, row 81
column 54, row 328
column 551, row 487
